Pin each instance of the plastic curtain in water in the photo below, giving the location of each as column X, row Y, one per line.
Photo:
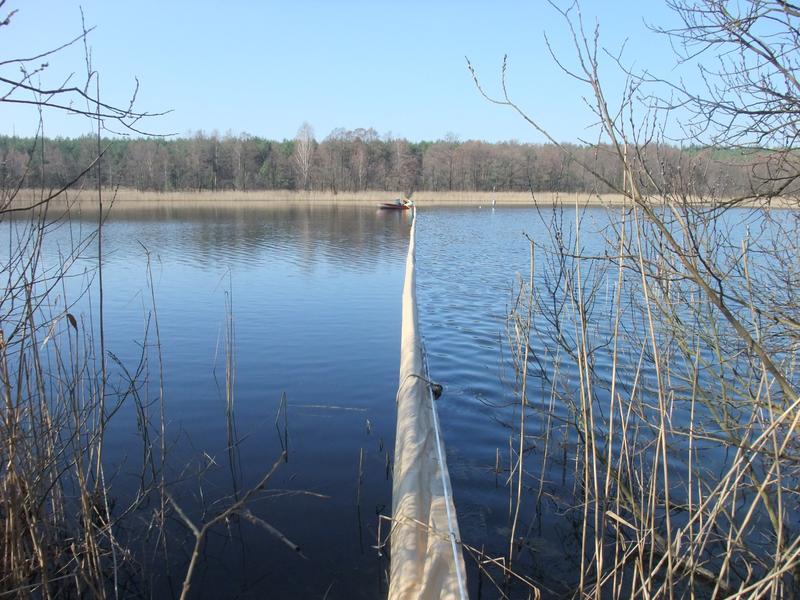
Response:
column 426, row 557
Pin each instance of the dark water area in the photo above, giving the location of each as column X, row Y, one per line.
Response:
column 315, row 300
column 470, row 262
column 313, row 296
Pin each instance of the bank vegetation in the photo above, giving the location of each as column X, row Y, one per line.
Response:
column 348, row 162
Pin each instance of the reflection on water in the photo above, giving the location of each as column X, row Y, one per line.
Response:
column 468, row 261
column 315, row 301
column 314, row 293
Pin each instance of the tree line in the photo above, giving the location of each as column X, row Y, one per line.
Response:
column 349, row 161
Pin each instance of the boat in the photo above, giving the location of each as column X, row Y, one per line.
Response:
column 397, row 205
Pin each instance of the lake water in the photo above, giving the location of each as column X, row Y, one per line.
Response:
column 312, row 295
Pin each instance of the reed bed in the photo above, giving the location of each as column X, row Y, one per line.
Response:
column 66, row 531
column 128, row 198
column 675, row 407
column 131, row 198
column 58, row 530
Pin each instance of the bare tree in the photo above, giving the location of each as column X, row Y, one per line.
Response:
column 751, row 94
column 451, row 143
column 303, row 153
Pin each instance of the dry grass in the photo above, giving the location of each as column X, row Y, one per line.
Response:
column 130, row 198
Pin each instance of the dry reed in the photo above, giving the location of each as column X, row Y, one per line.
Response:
column 131, row 199
column 687, row 459
column 62, row 533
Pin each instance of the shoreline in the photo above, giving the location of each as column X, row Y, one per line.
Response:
column 125, row 196
column 129, row 198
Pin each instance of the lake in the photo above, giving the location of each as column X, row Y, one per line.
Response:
column 254, row 304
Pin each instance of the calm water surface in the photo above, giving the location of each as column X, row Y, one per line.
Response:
column 314, row 297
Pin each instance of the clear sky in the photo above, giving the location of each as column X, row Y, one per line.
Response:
column 265, row 67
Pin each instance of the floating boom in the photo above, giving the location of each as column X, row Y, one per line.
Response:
column 426, row 558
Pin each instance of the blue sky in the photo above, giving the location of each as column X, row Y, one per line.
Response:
column 265, row 67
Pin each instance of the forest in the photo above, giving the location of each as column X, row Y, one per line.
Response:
column 348, row 161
